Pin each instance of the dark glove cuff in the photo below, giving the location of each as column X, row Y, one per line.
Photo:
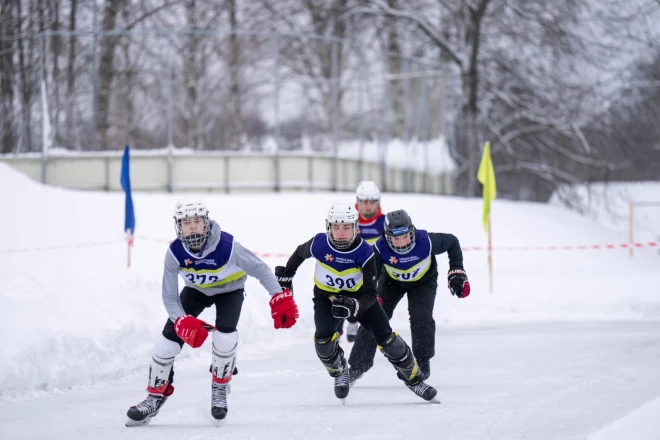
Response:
column 456, row 272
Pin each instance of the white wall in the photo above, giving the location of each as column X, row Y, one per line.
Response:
column 220, row 172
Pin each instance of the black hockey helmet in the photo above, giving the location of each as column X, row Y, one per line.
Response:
column 398, row 223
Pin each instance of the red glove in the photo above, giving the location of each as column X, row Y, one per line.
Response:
column 193, row 331
column 284, row 309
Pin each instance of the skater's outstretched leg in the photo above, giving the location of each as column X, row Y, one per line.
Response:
column 159, row 387
column 400, row 356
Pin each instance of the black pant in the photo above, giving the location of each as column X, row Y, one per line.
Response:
column 421, row 300
column 375, row 322
column 227, row 310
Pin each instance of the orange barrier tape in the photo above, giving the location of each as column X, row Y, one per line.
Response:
column 55, row 248
column 650, row 244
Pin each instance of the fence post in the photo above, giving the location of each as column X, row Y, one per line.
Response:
column 407, row 173
column 95, row 85
column 384, row 125
column 170, row 99
column 425, row 128
column 361, row 85
column 276, row 104
column 630, row 226
column 335, row 117
column 170, row 168
column 45, row 126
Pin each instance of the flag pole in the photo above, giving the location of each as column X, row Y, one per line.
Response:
column 129, row 244
column 490, row 254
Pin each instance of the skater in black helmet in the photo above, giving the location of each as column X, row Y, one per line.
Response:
column 407, row 255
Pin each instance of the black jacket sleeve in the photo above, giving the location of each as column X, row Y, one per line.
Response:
column 303, row 252
column 441, row 243
column 369, row 285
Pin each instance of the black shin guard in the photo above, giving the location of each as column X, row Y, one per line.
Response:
column 330, row 353
column 400, row 356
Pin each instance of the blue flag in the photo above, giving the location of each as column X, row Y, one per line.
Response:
column 129, row 219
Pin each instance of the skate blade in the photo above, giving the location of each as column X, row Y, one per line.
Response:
column 218, row 422
column 434, row 400
column 133, row 423
column 343, row 401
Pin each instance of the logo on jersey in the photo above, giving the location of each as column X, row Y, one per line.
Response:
column 393, row 260
column 188, row 262
column 329, row 257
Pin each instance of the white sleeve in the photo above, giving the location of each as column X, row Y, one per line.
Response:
column 171, row 298
column 255, row 267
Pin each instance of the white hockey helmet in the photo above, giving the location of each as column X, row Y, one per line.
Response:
column 367, row 190
column 341, row 213
column 189, row 209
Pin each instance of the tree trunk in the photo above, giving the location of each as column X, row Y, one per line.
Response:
column 236, row 112
column 394, row 68
column 71, row 79
column 8, row 24
column 25, row 48
column 467, row 179
column 56, row 46
column 191, row 79
column 106, row 71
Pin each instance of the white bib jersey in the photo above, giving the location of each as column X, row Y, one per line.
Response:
column 410, row 267
column 418, row 265
column 339, row 271
column 221, row 265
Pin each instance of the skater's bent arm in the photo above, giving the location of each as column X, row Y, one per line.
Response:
column 171, row 287
column 369, row 286
column 303, row 252
column 441, row 243
column 255, row 267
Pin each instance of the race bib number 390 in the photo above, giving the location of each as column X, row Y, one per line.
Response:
column 339, row 283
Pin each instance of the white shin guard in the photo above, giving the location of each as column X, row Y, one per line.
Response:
column 224, row 356
column 162, row 360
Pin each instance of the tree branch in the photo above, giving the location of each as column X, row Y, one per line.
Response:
column 422, row 23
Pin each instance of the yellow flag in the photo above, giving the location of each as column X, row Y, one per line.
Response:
column 486, row 175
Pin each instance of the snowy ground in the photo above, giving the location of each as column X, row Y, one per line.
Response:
column 565, row 347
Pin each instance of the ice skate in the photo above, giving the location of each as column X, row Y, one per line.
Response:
column 342, row 386
column 142, row 413
column 219, row 406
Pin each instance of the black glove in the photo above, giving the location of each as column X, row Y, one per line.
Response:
column 458, row 283
column 284, row 277
column 345, row 307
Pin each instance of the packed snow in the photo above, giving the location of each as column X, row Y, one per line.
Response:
column 565, row 347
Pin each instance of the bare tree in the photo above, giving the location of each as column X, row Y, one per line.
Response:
column 516, row 63
column 8, row 21
column 311, row 60
column 108, row 45
column 70, row 75
column 234, row 64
